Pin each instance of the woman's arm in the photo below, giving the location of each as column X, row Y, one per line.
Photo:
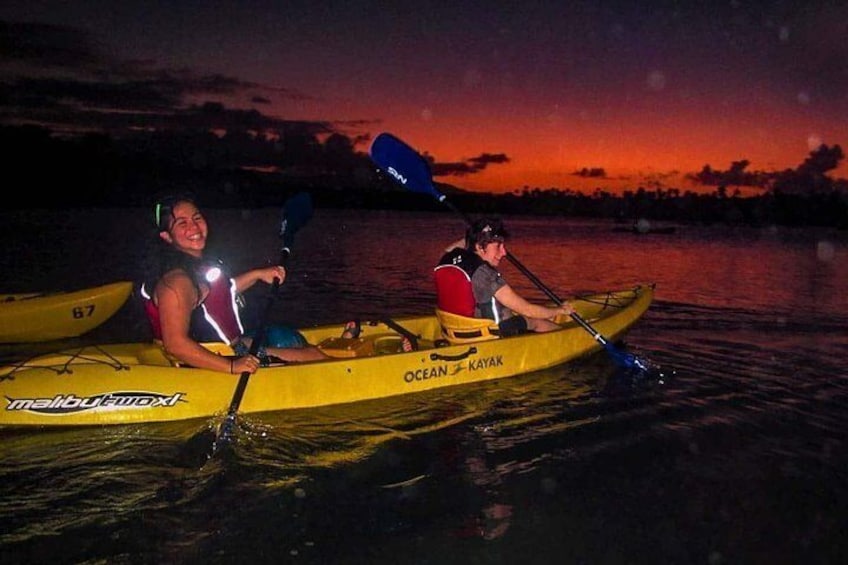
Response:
column 176, row 297
column 266, row 274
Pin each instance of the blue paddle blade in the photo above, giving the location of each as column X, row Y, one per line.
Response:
column 623, row 358
column 404, row 164
column 297, row 212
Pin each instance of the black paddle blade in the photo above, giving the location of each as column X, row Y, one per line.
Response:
column 225, row 434
column 199, row 448
column 297, row 211
column 404, row 164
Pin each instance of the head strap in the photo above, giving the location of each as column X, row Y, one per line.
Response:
column 164, row 208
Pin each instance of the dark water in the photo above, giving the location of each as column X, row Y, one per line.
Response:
column 738, row 457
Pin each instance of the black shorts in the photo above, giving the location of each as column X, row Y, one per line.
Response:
column 514, row 325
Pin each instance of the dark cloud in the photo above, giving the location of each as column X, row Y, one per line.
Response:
column 363, row 139
column 47, row 46
column 736, row 175
column 486, row 159
column 822, row 160
column 455, row 169
column 61, row 78
column 593, row 172
column 206, row 117
column 810, row 175
column 106, row 95
column 469, row 166
column 659, row 177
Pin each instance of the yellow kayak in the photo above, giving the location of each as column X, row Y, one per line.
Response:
column 36, row 317
column 136, row 382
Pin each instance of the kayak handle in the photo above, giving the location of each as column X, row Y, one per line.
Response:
column 460, row 357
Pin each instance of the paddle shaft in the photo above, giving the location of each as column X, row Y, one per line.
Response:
column 296, row 212
column 258, row 338
column 413, row 339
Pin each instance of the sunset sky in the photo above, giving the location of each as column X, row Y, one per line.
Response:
column 513, row 93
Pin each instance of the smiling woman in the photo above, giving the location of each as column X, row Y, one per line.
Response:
column 190, row 298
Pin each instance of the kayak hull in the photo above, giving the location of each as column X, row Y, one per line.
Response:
column 36, row 317
column 135, row 382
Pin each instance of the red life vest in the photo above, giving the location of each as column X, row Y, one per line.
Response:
column 219, row 310
column 454, row 292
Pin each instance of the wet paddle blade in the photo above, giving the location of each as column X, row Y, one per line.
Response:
column 623, row 358
column 225, row 433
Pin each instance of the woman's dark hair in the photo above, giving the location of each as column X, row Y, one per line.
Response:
column 163, row 208
column 483, row 231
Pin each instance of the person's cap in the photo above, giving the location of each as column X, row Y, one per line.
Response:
column 486, row 230
column 494, row 232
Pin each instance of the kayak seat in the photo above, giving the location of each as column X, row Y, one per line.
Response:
column 462, row 329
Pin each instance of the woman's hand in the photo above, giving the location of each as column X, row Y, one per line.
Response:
column 268, row 274
column 244, row 364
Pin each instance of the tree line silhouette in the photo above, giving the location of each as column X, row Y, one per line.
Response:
column 244, row 170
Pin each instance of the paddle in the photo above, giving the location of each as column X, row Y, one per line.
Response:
column 297, row 211
column 413, row 339
column 410, row 170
